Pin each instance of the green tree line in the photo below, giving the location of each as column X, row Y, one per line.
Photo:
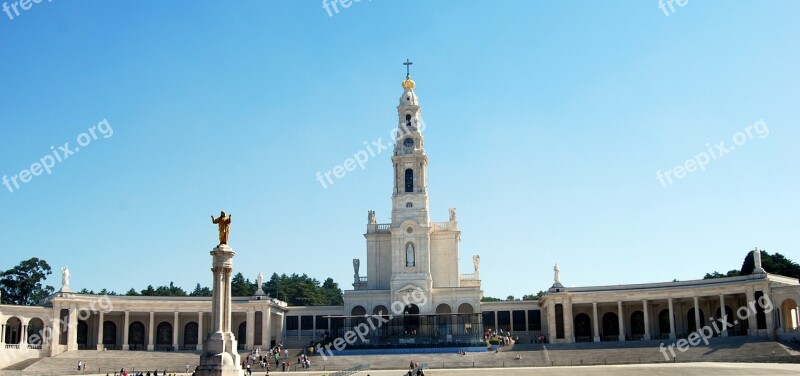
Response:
column 23, row 285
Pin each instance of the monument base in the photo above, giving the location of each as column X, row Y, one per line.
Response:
column 220, row 356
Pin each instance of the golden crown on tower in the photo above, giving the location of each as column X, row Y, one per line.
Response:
column 409, row 84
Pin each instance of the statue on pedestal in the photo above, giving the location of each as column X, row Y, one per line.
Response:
column 65, row 278
column 371, row 217
column 356, row 266
column 452, row 214
column 224, row 222
column 557, row 274
column 476, row 262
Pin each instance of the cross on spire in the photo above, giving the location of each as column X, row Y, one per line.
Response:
column 408, row 67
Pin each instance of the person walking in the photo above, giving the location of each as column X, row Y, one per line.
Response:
column 80, row 364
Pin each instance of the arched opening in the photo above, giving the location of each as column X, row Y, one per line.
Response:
column 164, row 334
column 408, row 120
column 358, row 312
column 691, row 323
column 583, row 328
column 109, row 335
column 409, row 180
column 190, row 335
column 789, row 315
column 637, row 323
column 35, row 332
column 610, row 325
column 136, row 335
column 663, row 322
column 13, row 331
column 444, row 321
column 411, row 319
column 241, row 334
column 465, row 311
column 83, row 335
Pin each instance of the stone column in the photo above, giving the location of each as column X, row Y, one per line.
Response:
column 55, row 330
column 250, row 338
column 201, row 335
column 266, row 333
column 2, row 333
column 646, row 321
column 696, row 314
column 281, row 327
column 100, row 321
column 722, row 314
column 175, row 331
column 569, row 332
column 151, row 343
column 220, row 355
column 23, row 336
column 594, row 322
column 496, row 323
column 770, row 316
column 511, row 320
column 620, row 315
column 299, row 326
column 527, row 324
column 551, row 320
column 72, row 333
column 125, row 328
column 752, row 324
column 671, row 320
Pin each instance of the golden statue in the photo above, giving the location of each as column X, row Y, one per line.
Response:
column 224, row 222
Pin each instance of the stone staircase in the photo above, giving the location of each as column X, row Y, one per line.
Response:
column 732, row 349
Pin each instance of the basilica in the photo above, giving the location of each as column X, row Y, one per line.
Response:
column 413, row 284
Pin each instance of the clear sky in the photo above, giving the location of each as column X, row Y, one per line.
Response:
column 547, row 122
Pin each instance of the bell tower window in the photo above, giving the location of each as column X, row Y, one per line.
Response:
column 408, row 120
column 409, row 180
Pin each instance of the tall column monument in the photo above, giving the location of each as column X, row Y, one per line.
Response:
column 220, row 355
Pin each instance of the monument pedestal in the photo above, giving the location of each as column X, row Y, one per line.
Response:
column 220, row 356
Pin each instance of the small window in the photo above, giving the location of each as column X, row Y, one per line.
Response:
column 409, row 180
column 408, row 120
column 409, row 205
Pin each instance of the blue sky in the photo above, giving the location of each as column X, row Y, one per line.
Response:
column 546, row 124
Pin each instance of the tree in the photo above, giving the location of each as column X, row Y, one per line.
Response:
column 490, row 299
column 200, row 291
column 132, row 292
column 304, row 290
column 22, row 285
column 775, row 264
column 510, row 298
column 538, row 296
column 241, row 286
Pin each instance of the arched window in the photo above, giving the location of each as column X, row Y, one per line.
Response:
column 410, row 256
column 409, row 180
column 409, row 204
column 408, row 120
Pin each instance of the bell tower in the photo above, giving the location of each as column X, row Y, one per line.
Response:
column 410, row 194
